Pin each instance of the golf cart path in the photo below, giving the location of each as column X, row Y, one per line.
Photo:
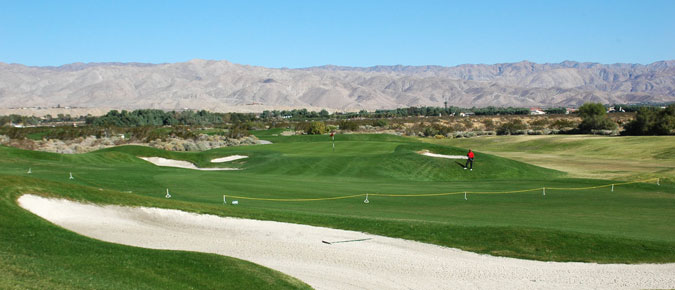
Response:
column 297, row 250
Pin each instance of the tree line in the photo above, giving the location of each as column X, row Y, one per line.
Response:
column 150, row 117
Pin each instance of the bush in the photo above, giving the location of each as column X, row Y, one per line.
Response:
column 380, row 123
column 348, row 125
column 429, row 131
column 316, row 128
column 540, row 123
column 563, row 124
column 489, row 124
column 513, row 127
column 238, row 131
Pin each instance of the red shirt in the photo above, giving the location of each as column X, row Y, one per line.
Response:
column 470, row 154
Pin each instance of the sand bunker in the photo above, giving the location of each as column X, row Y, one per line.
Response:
column 427, row 153
column 228, row 158
column 159, row 161
column 297, row 250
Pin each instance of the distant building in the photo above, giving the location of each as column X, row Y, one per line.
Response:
column 537, row 111
column 570, row 110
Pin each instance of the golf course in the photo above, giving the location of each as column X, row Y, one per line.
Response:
column 510, row 205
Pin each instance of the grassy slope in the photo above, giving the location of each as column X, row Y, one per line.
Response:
column 632, row 224
column 582, row 155
column 36, row 254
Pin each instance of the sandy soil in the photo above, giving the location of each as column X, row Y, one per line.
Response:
column 159, row 161
column 297, row 250
column 228, row 158
column 427, row 153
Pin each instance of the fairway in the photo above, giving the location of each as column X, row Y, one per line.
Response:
column 299, row 179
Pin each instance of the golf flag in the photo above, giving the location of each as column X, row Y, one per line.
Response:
column 332, row 136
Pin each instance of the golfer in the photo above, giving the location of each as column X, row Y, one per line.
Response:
column 469, row 160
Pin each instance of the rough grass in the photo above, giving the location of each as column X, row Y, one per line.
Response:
column 583, row 156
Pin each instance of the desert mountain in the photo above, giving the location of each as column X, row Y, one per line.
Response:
column 224, row 86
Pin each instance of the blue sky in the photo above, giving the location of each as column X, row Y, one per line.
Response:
column 351, row 33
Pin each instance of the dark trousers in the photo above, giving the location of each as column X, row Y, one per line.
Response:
column 469, row 161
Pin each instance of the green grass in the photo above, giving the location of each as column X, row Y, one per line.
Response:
column 633, row 224
column 37, row 254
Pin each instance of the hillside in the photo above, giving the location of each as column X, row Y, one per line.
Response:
column 224, row 86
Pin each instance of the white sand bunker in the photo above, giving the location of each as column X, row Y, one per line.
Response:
column 228, row 158
column 159, row 161
column 297, row 250
column 427, row 153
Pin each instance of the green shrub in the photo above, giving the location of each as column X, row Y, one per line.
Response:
column 348, row 125
column 513, row 127
column 380, row 123
column 489, row 124
column 316, row 128
column 563, row 123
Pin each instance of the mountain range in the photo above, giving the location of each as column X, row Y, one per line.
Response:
column 225, row 86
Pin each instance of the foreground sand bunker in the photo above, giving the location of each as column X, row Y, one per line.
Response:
column 159, row 161
column 297, row 250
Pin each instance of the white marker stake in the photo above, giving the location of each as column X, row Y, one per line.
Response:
column 167, row 194
column 657, row 182
column 465, row 196
column 366, row 201
column 224, row 200
column 543, row 191
column 29, row 171
column 612, row 187
column 71, row 176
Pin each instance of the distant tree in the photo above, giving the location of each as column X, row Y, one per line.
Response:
column 594, row 117
column 559, row 110
column 650, row 121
